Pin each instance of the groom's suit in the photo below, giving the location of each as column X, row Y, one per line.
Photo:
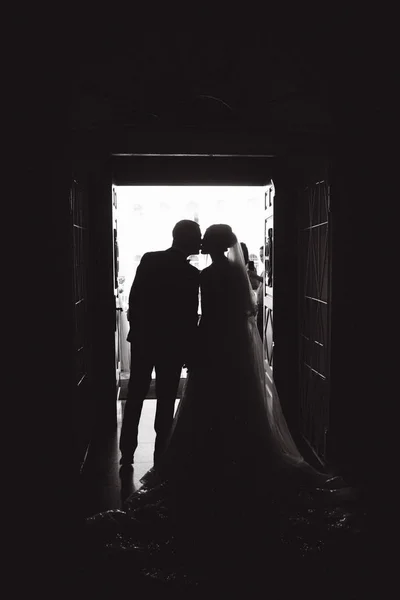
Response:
column 163, row 315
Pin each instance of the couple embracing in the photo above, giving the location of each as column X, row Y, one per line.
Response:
column 229, row 415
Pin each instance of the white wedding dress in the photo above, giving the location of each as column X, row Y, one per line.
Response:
column 229, row 424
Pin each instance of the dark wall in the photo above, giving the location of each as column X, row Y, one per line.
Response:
column 361, row 316
column 194, row 170
column 355, row 322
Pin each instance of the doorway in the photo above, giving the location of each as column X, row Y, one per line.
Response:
column 144, row 217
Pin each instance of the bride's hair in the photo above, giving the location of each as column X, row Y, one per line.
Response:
column 219, row 237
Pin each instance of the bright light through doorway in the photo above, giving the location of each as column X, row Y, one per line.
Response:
column 146, row 216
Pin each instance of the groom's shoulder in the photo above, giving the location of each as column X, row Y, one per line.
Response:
column 204, row 273
column 155, row 256
column 193, row 271
column 192, row 268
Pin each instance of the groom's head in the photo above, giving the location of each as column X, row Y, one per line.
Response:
column 186, row 236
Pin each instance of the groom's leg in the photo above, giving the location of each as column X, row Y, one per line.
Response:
column 138, row 386
column 167, row 382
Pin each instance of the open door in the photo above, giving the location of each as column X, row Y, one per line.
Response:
column 82, row 395
column 118, row 306
column 315, row 313
column 268, row 323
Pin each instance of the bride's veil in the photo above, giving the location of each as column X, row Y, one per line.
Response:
column 244, row 295
column 243, row 291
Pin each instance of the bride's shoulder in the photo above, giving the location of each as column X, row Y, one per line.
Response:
column 216, row 269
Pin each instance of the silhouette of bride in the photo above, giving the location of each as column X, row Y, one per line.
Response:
column 231, row 480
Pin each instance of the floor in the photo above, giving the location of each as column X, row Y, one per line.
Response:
column 102, row 487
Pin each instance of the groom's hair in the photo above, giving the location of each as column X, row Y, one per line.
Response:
column 184, row 229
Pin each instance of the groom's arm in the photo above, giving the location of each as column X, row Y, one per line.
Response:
column 139, row 289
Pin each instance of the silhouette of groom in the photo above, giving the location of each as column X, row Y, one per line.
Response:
column 163, row 315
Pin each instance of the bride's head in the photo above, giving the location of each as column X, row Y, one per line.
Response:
column 217, row 240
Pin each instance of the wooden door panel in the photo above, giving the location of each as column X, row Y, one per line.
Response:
column 82, row 402
column 314, row 314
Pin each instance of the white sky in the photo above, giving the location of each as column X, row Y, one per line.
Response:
column 146, row 216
